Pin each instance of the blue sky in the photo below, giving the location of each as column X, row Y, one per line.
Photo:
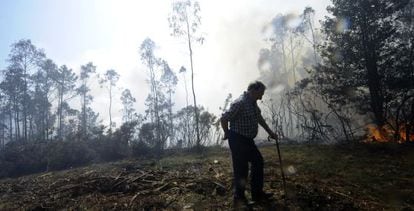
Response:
column 62, row 28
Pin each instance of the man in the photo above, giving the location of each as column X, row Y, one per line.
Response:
column 244, row 116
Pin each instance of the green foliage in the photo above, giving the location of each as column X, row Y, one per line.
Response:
column 363, row 58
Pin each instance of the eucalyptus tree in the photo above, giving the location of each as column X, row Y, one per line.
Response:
column 287, row 60
column 65, row 80
column 25, row 58
column 155, row 97
column 12, row 86
column 40, row 110
column 149, row 59
column 308, row 25
column 169, row 81
column 185, row 21
column 206, row 124
column 110, row 78
column 86, row 99
column 3, row 118
column 187, row 130
column 128, row 106
column 183, row 71
column 280, row 66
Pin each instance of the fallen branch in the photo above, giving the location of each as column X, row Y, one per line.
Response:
column 162, row 188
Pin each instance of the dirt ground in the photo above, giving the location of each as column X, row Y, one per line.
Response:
column 318, row 178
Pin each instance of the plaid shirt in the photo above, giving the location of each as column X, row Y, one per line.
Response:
column 243, row 116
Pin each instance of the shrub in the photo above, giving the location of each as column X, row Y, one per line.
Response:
column 66, row 154
column 140, row 149
column 24, row 158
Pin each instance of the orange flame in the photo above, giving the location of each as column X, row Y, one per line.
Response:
column 387, row 134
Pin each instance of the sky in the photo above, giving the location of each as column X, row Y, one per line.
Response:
column 109, row 33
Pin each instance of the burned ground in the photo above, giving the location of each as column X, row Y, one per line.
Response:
column 357, row 177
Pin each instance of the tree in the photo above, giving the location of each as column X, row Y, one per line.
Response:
column 184, row 134
column 148, row 135
column 169, row 81
column 41, row 109
column 156, row 98
column 12, row 87
column 83, row 90
column 364, row 53
column 128, row 103
column 187, row 130
column 207, row 121
column 184, row 22
column 65, row 80
column 24, row 58
column 110, row 77
column 307, row 25
column 280, row 65
column 149, row 59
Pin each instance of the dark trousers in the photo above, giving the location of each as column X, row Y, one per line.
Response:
column 243, row 151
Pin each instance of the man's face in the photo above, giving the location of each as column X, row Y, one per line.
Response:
column 258, row 94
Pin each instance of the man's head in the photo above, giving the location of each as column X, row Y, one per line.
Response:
column 256, row 90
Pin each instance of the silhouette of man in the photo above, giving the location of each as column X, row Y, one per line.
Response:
column 244, row 116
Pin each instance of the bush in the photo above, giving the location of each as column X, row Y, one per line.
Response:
column 140, row 149
column 116, row 146
column 21, row 158
column 5, row 168
column 62, row 155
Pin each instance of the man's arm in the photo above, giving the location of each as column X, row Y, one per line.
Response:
column 225, row 127
column 229, row 115
column 263, row 123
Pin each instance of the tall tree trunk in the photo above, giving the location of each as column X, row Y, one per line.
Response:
column 373, row 77
column 60, row 114
column 25, row 104
column 187, row 125
column 16, row 119
column 374, row 86
column 198, row 145
column 110, row 106
column 84, row 115
column 17, row 124
column 313, row 43
column 170, row 114
column 10, row 124
column 156, row 110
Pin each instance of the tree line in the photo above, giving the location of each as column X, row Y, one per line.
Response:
column 46, row 115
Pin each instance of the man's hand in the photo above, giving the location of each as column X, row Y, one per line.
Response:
column 226, row 136
column 273, row 135
column 225, row 126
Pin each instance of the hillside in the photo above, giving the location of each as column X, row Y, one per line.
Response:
column 357, row 177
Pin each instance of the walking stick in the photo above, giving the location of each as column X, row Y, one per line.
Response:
column 281, row 164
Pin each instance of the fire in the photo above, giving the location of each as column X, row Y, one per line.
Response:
column 387, row 134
